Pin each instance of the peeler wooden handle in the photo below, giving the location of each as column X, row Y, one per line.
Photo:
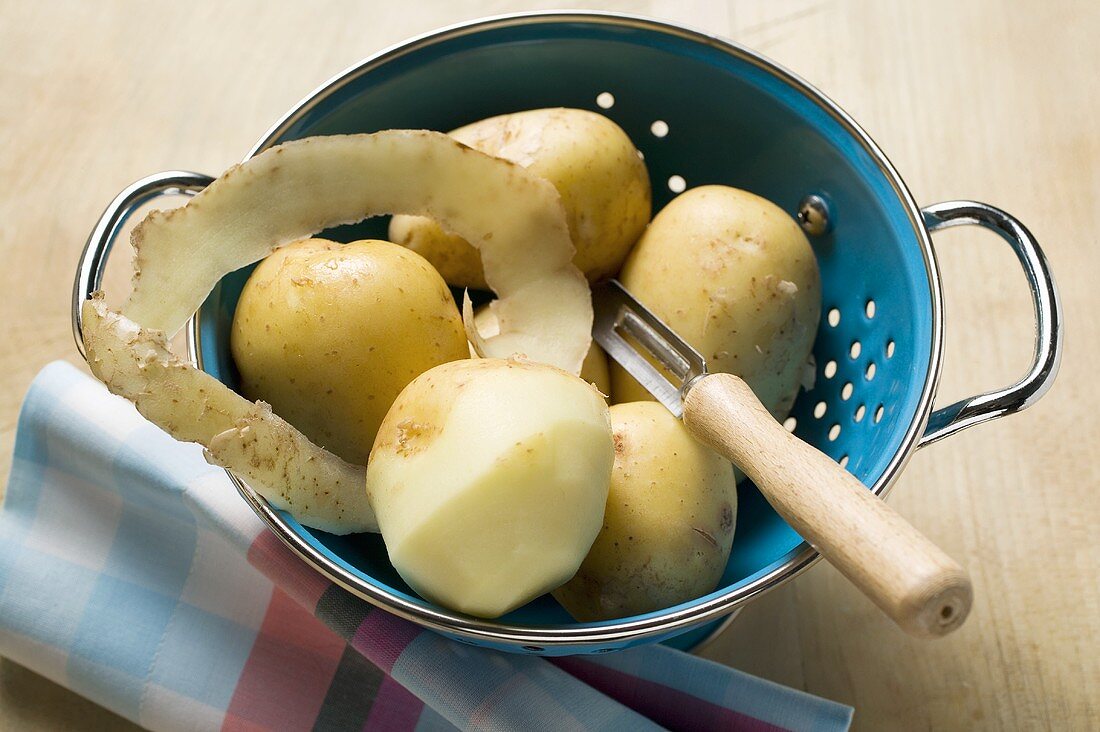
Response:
column 911, row 579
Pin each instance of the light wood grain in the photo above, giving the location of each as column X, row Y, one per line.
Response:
column 985, row 99
column 911, row 579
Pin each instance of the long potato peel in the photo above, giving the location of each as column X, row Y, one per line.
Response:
column 295, row 190
column 514, row 218
column 277, row 460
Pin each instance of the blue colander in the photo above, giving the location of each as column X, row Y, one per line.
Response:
column 702, row 110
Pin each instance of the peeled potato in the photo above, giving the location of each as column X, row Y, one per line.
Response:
column 329, row 334
column 603, row 184
column 734, row 275
column 489, row 480
column 594, row 369
column 668, row 527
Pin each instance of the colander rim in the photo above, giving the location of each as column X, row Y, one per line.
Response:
column 672, row 621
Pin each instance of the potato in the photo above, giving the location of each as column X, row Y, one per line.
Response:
column 595, row 167
column 329, row 334
column 489, row 480
column 668, row 527
column 734, row 275
column 594, row 369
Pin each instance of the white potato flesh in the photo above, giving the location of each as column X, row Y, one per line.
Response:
column 318, row 488
column 294, row 190
column 489, row 479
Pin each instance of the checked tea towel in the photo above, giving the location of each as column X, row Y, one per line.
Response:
column 132, row 573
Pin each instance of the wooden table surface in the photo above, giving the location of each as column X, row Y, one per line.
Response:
column 980, row 99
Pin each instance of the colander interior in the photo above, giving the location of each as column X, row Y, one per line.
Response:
column 700, row 115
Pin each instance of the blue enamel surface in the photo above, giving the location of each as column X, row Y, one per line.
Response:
column 731, row 123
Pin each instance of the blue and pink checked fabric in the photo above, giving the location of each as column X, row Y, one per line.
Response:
column 132, row 573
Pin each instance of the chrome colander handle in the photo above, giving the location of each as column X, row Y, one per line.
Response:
column 93, row 260
column 1048, row 320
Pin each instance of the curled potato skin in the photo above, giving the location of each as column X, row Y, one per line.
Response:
column 594, row 369
column 299, row 188
column 277, row 460
column 292, row 191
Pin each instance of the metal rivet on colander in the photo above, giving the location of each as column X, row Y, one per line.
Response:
column 813, row 215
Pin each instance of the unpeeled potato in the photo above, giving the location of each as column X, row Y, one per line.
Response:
column 733, row 275
column 595, row 167
column 489, row 480
column 329, row 334
column 668, row 526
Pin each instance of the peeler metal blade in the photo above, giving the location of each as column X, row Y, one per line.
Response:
column 629, row 332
